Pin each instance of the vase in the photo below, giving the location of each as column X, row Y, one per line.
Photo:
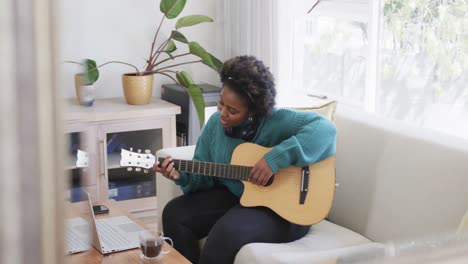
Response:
column 137, row 89
column 84, row 92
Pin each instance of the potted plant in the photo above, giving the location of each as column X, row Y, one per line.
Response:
column 84, row 81
column 138, row 85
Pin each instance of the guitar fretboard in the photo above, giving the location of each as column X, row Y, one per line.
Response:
column 212, row 169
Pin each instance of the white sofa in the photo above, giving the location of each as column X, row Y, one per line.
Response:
column 395, row 183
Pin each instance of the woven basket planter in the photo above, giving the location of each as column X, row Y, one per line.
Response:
column 137, row 89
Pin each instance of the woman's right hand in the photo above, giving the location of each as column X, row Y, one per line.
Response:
column 167, row 169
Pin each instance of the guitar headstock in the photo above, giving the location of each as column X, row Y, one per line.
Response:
column 82, row 159
column 137, row 160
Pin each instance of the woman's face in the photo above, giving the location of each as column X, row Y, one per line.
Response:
column 233, row 108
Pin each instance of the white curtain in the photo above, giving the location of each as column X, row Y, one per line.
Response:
column 250, row 28
column 30, row 138
column 264, row 28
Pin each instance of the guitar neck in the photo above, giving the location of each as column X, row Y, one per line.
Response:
column 220, row 170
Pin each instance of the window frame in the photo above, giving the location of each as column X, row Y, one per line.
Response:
column 372, row 13
column 352, row 10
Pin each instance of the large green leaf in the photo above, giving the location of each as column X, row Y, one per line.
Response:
column 207, row 59
column 199, row 102
column 172, row 8
column 192, row 20
column 184, row 78
column 91, row 72
column 176, row 35
column 195, row 93
column 170, row 47
column 214, row 63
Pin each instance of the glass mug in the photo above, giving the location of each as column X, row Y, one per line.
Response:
column 151, row 243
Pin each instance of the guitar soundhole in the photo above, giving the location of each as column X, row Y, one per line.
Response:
column 270, row 181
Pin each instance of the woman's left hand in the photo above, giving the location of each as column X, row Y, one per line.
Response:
column 260, row 173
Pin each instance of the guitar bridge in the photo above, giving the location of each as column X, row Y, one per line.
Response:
column 304, row 184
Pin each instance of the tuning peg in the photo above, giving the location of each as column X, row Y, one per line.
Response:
column 139, row 150
column 146, row 171
column 129, row 169
column 138, row 169
column 131, row 149
column 147, row 151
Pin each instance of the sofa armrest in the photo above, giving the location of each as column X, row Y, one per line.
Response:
column 166, row 189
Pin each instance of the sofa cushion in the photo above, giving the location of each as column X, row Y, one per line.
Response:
column 183, row 153
column 397, row 181
column 350, row 254
column 322, row 236
column 327, row 110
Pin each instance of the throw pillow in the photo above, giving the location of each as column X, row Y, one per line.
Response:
column 327, row 110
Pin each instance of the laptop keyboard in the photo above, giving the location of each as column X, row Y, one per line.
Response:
column 74, row 243
column 111, row 238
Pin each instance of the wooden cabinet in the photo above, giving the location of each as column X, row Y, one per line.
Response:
column 80, row 137
column 102, row 130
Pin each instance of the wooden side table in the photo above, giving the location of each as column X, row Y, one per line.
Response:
column 128, row 256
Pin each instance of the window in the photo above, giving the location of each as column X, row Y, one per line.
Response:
column 401, row 59
column 331, row 48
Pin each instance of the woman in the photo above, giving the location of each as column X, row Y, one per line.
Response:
column 210, row 206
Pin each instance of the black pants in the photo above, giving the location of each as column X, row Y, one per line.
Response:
column 229, row 226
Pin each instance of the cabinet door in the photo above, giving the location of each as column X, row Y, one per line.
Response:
column 80, row 162
column 133, row 188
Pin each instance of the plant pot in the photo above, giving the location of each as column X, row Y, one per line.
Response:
column 137, row 89
column 84, row 93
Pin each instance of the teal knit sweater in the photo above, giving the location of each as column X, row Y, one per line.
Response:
column 296, row 138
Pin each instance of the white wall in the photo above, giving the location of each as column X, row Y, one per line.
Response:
column 123, row 30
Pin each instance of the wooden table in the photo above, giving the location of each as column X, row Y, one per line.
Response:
column 129, row 256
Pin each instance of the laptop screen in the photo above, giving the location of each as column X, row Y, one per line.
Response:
column 111, row 234
column 88, row 215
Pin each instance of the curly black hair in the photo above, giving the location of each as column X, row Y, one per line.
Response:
column 252, row 80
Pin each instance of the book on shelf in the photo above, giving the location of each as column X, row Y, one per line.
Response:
column 124, row 190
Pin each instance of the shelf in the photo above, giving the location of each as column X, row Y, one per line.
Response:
column 112, row 109
column 75, row 194
column 151, row 126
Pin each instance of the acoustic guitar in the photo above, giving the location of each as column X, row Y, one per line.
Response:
column 301, row 195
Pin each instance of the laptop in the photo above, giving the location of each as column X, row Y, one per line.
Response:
column 108, row 235
column 76, row 235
